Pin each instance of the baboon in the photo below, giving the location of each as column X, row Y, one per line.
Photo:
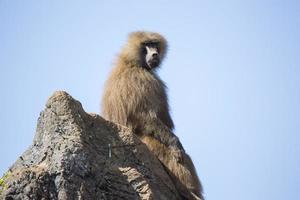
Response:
column 136, row 97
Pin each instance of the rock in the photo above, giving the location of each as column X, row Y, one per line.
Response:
column 76, row 155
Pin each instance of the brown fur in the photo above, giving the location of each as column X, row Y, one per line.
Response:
column 136, row 97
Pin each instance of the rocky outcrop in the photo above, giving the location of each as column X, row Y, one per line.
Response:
column 76, row 155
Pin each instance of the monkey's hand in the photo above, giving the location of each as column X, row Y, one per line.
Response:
column 177, row 154
column 168, row 138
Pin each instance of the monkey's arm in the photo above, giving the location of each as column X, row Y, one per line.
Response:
column 166, row 119
column 160, row 132
column 154, row 127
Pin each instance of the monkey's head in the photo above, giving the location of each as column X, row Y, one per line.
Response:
column 144, row 49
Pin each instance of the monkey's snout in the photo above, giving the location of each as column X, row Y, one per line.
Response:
column 155, row 58
column 155, row 55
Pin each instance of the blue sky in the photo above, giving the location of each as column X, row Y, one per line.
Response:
column 232, row 69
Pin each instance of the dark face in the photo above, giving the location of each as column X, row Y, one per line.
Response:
column 151, row 56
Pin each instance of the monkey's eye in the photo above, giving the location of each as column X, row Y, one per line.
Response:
column 144, row 50
column 158, row 50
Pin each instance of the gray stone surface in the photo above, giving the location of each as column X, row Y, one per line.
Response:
column 70, row 158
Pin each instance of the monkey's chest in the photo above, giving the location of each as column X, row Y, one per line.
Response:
column 147, row 94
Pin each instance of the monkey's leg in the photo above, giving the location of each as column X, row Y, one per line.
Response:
column 157, row 129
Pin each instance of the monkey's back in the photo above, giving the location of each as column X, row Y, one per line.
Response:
column 131, row 92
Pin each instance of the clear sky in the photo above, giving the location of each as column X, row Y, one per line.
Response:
column 233, row 72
